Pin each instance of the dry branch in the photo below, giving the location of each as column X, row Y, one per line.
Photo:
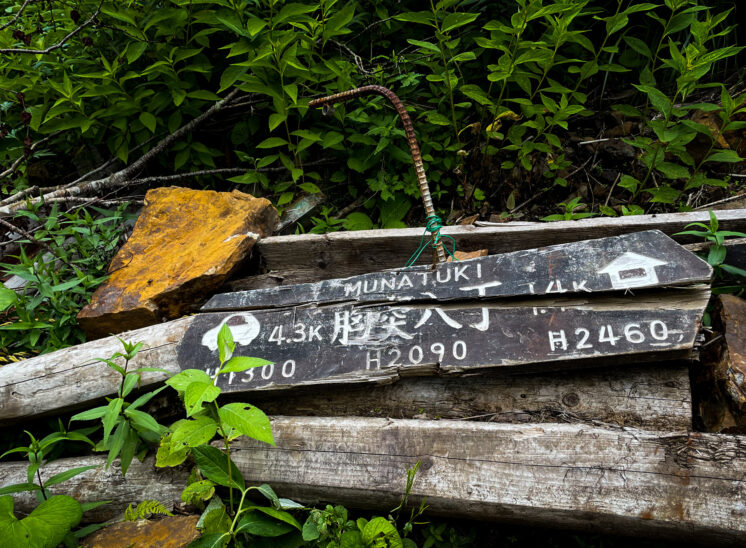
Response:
column 124, row 177
column 62, row 42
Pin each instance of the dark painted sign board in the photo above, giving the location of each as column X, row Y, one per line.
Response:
column 565, row 303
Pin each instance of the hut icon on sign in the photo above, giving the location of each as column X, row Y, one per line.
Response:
column 632, row 270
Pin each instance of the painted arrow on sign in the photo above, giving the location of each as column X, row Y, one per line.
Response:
column 632, row 261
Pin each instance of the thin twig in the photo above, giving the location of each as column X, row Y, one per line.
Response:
column 358, row 60
column 30, row 238
column 608, row 196
column 22, row 157
column 62, row 42
column 723, row 201
column 597, row 141
column 124, row 176
column 20, row 11
column 94, row 201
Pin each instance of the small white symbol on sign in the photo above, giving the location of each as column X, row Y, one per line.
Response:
column 632, row 270
column 244, row 326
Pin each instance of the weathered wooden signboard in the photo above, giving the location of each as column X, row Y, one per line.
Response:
column 565, row 303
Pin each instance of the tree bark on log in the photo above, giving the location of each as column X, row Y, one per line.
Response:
column 686, row 486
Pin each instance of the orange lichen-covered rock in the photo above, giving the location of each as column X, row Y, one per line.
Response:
column 183, row 247
column 171, row 532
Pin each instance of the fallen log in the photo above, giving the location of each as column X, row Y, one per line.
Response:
column 687, row 486
column 72, row 377
column 684, row 486
column 649, row 396
column 313, row 257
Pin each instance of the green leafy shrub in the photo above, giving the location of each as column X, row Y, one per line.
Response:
column 501, row 93
column 72, row 254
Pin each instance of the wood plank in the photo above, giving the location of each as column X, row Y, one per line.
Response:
column 143, row 482
column 354, row 343
column 313, row 257
column 638, row 260
column 72, row 377
column 651, row 396
column 687, row 486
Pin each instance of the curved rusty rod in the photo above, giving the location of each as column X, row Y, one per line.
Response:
column 414, row 147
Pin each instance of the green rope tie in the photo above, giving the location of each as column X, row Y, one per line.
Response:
column 432, row 226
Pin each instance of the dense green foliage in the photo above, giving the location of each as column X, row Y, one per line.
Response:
column 501, row 93
column 69, row 256
column 495, row 88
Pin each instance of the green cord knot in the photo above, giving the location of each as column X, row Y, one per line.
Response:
column 433, row 224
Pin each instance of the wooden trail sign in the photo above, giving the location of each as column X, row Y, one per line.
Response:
column 528, row 307
column 631, row 261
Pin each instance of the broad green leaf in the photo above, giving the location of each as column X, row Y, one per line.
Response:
column 198, row 393
column 135, row 50
column 673, row 171
column 638, row 45
column 211, row 540
column 145, row 398
column 275, row 120
column 716, row 255
column 381, row 528
column 254, row 25
column 118, row 440
column 203, row 94
column 240, row 363
column 421, row 17
column 130, row 382
column 194, row 432
column 148, row 120
column 198, row 491
column 279, row 515
column 261, row 525
column 111, row 415
column 272, row 142
column 230, row 75
column 630, row 183
column 91, row 414
column 214, row 465
column 453, row 21
column 663, row 194
column 170, row 454
column 8, row 298
column 19, row 488
column 181, row 380
column 429, row 46
column 357, row 221
column 657, row 98
column 725, row 156
column 226, row 345
column 232, row 22
column 247, row 420
column 476, row 93
column 143, row 421
column 45, row 527
column 67, row 474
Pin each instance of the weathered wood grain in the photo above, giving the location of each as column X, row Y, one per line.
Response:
column 360, row 343
column 314, row 257
column 143, row 482
column 688, row 486
column 618, row 263
column 651, row 396
column 72, row 377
